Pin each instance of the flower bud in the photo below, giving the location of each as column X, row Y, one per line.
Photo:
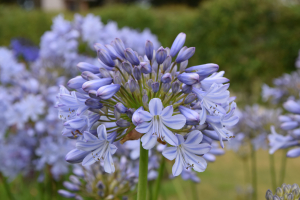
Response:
column 98, row 46
column 149, row 50
column 155, row 87
column 185, row 54
column 87, row 75
column 120, row 108
column 131, row 57
column 83, row 66
column 117, row 114
column 279, row 192
column 289, row 125
column 161, row 55
column 192, row 117
column 136, row 118
column 70, row 186
column 190, row 98
column 75, row 180
column 137, row 73
column 166, row 78
column 119, row 47
column 183, row 65
column 145, row 99
column 122, row 123
column 292, row 106
column 117, row 80
column 290, row 197
column 127, row 67
column 188, row 78
column 149, row 83
column 166, row 87
column 96, row 84
column 275, row 197
column 146, row 68
column 76, row 83
column 112, row 52
column 93, row 103
column 76, row 156
column 204, row 70
column 186, row 88
column 104, row 73
column 105, row 58
column 107, row 91
column 175, row 87
column 66, row 193
column 129, row 113
column 167, row 63
column 132, row 85
column 177, row 44
column 93, row 94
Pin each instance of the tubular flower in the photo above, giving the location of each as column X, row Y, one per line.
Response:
column 152, row 97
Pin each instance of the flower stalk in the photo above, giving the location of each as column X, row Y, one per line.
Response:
column 143, row 174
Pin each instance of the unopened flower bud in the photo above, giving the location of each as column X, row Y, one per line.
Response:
column 183, row 65
column 149, row 50
column 177, row 44
column 87, row 75
column 100, row 185
column 155, row 87
column 66, row 194
column 120, row 108
column 122, row 123
column 75, row 180
column 145, row 99
column 132, row 85
column 186, row 88
column 131, row 57
column 146, row 68
column 93, row 103
column 76, row 83
column 185, row 54
column 204, row 70
column 167, row 63
column 107, row 91
column 166, row 87
column 275, row 197
column 137, row 73
column 290, row 197
column 117, row 114
column 175, row 87
column 70, row 186
column 83, row 66
column 93, row 94
column 96, row 84
column 192, row 117
column 279, row 192
column 161, row 55
column 105, row 58
column 117, row 80
column 130, row 112
column 166, row 78
column 119, row 47
column 190, row 98
column 112, row 52
column 149, row 83
column 127, row 67
column 104, row 73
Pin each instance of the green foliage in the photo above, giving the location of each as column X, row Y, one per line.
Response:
column 253, row 41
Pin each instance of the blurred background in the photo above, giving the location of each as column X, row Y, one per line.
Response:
column 253, row 41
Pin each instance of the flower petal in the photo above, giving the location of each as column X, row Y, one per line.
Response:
column 194, row 137
column 198, row 149
column 293, row 153
column 199, row 163
column 88, row 146
column 167, row 112
column 145, row 116
column 155, row 106
column 168, row 136
column 144, row 127
column 109, row 166
column 89, row 137
column 175, row 122
column 178, row 166
column 101, row 130
column 113, row 148
column 88, row 160
column 170, row 153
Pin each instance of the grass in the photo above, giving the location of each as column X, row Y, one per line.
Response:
column 220, row 180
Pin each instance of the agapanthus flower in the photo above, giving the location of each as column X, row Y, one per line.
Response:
column 151, row 98
column 290, row 192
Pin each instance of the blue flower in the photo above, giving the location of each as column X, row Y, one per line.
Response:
column 100, row 148
column 156, row 122
column 187, row 153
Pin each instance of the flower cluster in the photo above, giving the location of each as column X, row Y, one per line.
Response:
column 150, row 96
column 285, row 192
column 92, row 182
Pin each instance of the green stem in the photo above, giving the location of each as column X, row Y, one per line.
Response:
column 254, row 172
column 6, row 186
column 194, row 190
column 282, row 169
column 159, row 178
column 143, row 174
column 272, row 170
